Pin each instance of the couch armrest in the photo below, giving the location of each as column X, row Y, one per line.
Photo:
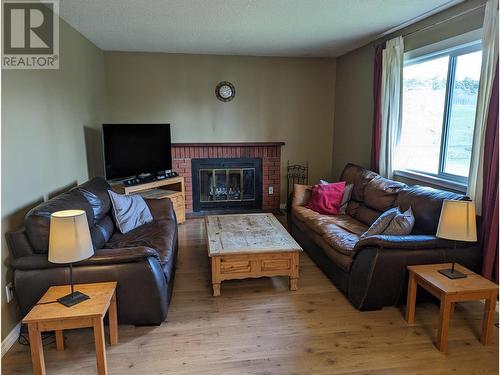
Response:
column 119, row 255
column 18, row 243
column 161, row 208
column 412, row 241
column 100, row 257
column 301, row 194
column 378, row 276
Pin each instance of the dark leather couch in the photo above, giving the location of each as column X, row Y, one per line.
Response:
column 141, row 261
column 371, row 272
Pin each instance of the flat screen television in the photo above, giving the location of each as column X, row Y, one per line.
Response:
column 134, row 149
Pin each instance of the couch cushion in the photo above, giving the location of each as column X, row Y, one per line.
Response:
column 344, row 221
column 340, row 259
column 37, row 220
column 339, row 238
column 360, row 177
column 360, row 212
column 160, row 235
column 101, row 232
column 341, row 232
column 316, row 221
column 380, row 193
column 426, row 204
column 96, row 193
column 305, row 214
column 301, row 194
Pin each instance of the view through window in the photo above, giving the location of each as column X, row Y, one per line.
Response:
column 438, row 113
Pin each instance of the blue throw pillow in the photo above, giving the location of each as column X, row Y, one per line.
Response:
column 381, row 224
column 402, row 224
column 129, row 211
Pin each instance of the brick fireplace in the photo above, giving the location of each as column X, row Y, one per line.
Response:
column 268, row 152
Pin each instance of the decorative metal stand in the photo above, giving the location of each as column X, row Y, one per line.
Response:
column 295, row 174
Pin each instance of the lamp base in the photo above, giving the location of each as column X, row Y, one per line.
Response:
column 73, row 299
column 452, row 274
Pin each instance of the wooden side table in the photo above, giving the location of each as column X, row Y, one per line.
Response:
column 47, row 315
column 449, row 292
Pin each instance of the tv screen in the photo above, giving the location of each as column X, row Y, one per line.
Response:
column 133, row 149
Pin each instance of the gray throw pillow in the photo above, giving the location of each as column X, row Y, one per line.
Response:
column 382, row 222
column 345, row 198
column 129, row 211
column 402, row 224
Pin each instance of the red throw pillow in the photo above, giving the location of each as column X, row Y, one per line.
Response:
column 326, row 198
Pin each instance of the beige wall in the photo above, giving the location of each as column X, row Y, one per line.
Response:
column 354, row 87
column 44, row 117
column 277, row 99
column 353, row 110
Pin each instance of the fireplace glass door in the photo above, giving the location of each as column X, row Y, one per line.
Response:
column 227, row 184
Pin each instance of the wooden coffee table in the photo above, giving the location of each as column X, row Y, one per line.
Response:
column 451, row 291
column 248, row 246
column 48, row 315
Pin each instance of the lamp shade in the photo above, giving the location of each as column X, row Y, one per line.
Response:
column 69, row 237
column 457, row 221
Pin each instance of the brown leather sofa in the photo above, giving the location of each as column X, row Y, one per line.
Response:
column 142, row 261
column 371, row 272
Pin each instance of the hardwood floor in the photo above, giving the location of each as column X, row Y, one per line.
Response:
column 259, row 327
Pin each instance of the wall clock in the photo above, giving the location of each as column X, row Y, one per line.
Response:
column 224, row 91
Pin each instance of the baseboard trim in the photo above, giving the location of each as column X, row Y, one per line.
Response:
column 11, row 339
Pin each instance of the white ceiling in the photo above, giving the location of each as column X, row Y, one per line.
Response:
column 241, row 27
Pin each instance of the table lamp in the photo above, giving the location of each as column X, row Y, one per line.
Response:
column 69, row 242
column 458, row 223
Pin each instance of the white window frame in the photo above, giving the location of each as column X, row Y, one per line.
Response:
column 442, row 178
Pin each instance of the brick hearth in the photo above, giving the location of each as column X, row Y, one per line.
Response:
column 182, row 153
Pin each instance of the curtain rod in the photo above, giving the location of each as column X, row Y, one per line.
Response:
column 384, row 35
column 444, row 21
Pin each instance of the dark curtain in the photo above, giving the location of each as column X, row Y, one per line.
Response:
column 489, row 228
column 377, row 107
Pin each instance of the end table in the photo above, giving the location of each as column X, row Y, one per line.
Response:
column 449, row 292
column 49, row 315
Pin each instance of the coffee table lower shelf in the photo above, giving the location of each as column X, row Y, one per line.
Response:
column 243, row 266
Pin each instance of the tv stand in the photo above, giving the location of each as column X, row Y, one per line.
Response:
column 169, row 188
column 150, row 177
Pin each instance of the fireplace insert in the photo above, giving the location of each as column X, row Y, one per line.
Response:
column 227, row 183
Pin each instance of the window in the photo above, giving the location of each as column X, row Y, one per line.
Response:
column 438, row 113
